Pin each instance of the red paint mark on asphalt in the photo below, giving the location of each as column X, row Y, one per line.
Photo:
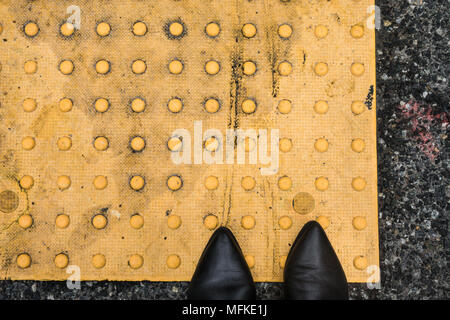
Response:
column 421, row 120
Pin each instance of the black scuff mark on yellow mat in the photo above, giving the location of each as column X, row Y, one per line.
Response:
column 232, row 123
column 275, row 55
column 304, row 55
column 369, row 98
column 272, row 57
column 271, row 49
column 236, row 89
column 236, row 92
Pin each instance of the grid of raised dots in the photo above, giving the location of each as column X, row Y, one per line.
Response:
column 123, row 85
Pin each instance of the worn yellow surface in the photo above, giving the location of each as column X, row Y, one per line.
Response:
column 310, row 131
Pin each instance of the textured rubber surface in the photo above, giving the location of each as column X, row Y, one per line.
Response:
column 330, row 169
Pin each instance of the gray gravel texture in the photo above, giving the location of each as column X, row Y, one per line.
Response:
column 412, row 66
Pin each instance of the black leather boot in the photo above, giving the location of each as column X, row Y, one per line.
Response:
column 222, row 272
column 312, row 270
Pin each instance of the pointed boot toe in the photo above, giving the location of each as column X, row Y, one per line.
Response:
column 312, row 270
column 222, row 272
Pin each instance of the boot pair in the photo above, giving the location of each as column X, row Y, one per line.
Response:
column 312, row 270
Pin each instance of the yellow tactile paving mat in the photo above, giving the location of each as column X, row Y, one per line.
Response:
column 89, row 101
